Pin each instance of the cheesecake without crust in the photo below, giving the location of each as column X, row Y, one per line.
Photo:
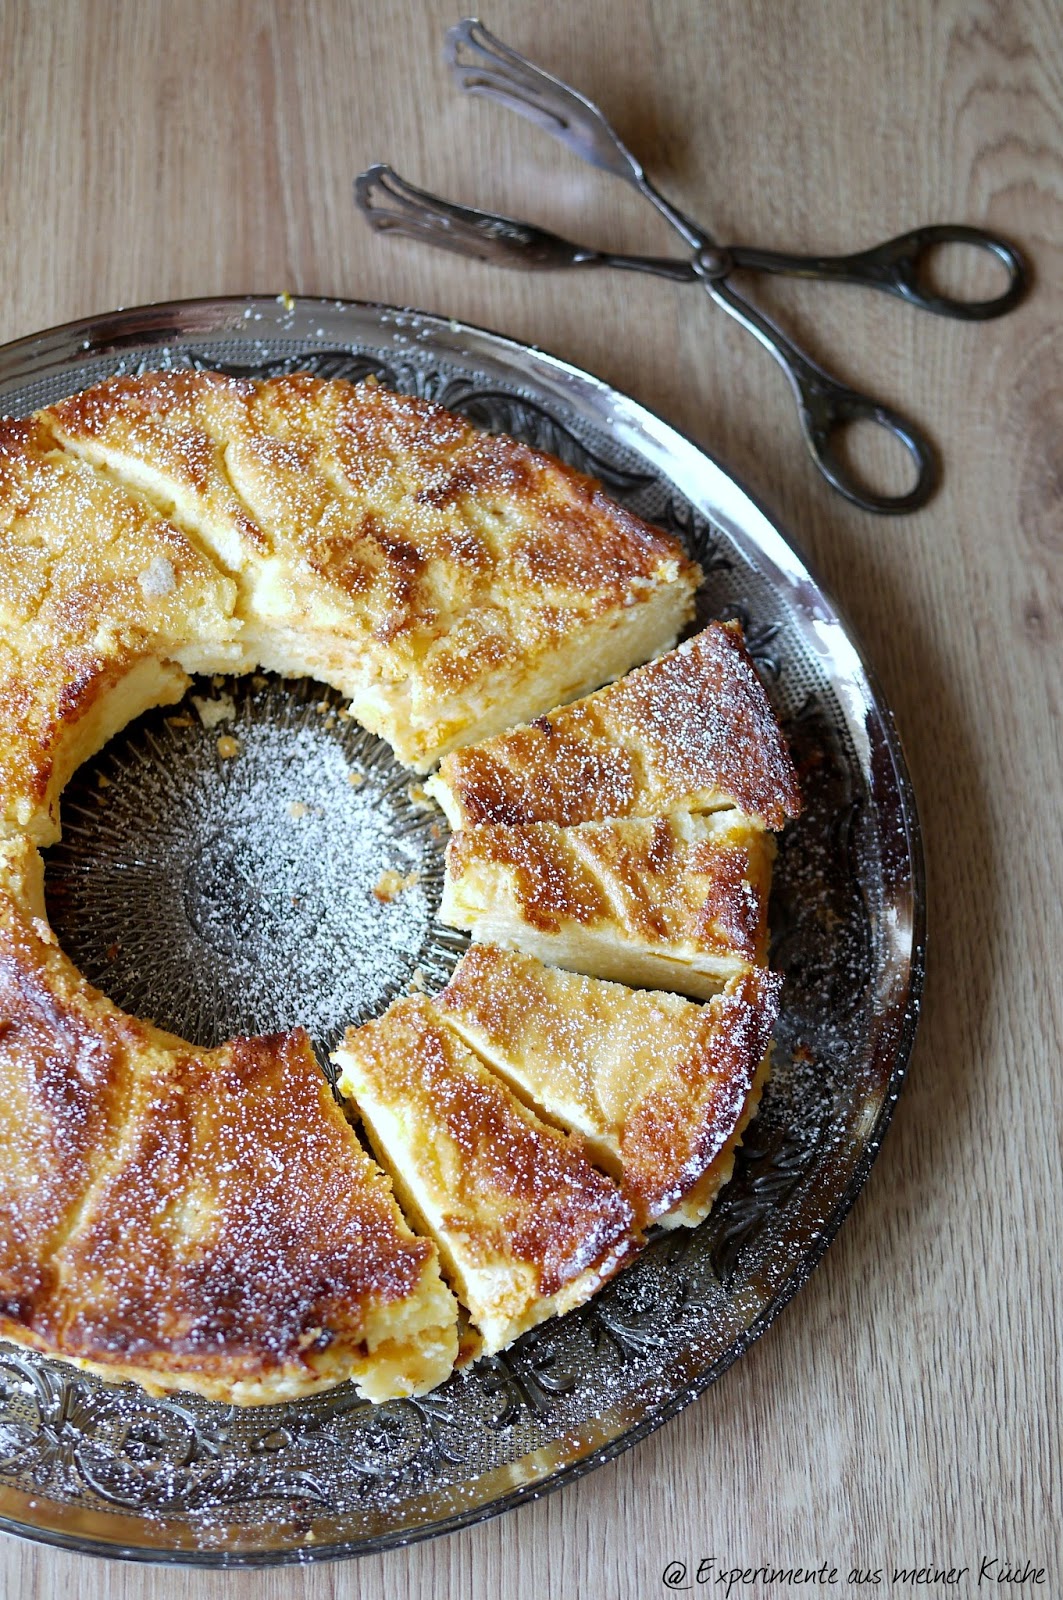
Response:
column 692, row 730
column 676, row 902
column 660, row 1088
column 208, row 1219
column 449, row 582
column 526, row 1227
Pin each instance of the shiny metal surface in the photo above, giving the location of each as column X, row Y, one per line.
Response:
column 91, row 1466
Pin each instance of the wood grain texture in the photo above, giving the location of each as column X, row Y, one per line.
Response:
column 905, row 1409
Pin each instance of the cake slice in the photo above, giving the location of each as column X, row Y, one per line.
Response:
column 526, row 1227
column 105, row 607
column 660, row 1088
column 676, row 902
column 192, row 1219
column 238, row 1241
column 693, row 729
column 449, row 582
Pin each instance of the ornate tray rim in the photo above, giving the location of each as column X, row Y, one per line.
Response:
column 300, row 318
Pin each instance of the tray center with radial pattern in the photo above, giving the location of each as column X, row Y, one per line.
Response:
column 248, row 860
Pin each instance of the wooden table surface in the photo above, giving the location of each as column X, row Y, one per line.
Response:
column 905, row 1409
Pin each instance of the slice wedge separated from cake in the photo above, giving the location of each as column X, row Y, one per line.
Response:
column 526, row 1227
column 450, row 582
column 676, row 902
column 660, row 1088
column 692, row 730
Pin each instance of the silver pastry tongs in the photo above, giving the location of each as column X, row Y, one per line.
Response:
column 482, row 64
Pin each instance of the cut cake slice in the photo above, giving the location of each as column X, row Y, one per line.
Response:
column 525, row 1226
column 677, row 902
column 660, row 1088
column 693, row 729
column 240, row 1242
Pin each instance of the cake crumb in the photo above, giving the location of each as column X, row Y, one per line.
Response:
column 391, row 884
column 228, row 747
column 102, row 781
column 180, row 721
column 419, row 797
column 211, row 712
column 355, row 778
column 286, row 300
column 418, row 981
column 297, row 809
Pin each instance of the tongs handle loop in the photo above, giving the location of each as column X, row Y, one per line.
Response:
column 898, row 267
column 826, row 407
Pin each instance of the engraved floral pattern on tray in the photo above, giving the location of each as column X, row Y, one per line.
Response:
column 685, row 1307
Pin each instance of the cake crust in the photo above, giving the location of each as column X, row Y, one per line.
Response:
column 693, row 729
column 659, row 1087
column 526, row 1225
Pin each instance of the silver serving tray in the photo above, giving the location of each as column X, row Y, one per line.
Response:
column 105, row 1468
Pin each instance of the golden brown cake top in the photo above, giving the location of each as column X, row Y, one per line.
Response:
column 661, row 1082
column 692, row 729
column 87, row 563
column 93, row 582
column 702, row 880
column 238, row 1227
column 506, row 1188
column 198, row 1216
column 64, row 1071
column 447, row 552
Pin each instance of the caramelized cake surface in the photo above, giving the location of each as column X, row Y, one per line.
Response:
column 450, row 582
column 660, row 1088
column 525, row 1224
column 194, row 1219
column 692, row 730
column 104, row 605
column 671, row 902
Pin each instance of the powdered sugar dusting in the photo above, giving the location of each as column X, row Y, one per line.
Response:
column 222, row 894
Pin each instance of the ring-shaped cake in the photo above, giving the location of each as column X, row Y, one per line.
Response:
column 214, row 1219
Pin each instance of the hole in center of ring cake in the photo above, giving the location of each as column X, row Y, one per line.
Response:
column 249, row 860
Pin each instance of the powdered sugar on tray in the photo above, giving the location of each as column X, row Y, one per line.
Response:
column 226, row 888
